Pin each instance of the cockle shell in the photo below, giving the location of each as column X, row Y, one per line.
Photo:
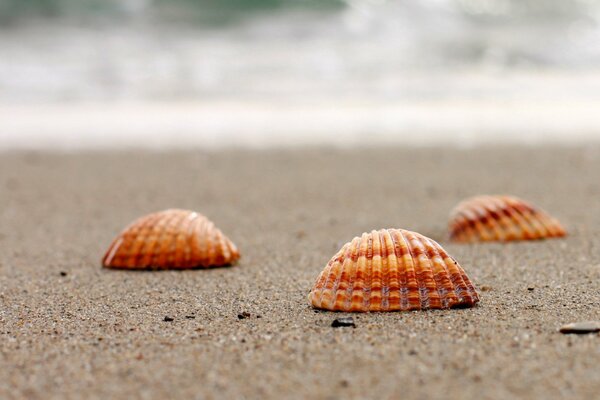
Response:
column 170, row 239
column 501, row 218
column 392, row 270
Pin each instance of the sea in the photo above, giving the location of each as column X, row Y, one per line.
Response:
column 178, row 74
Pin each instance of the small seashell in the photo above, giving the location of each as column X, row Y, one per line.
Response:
column 501, row 218
column 581, row 327
column 392, row 270
column 170, row 239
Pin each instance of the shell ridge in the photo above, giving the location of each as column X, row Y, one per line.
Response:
column 420, row 272
column 385, row 303
column 173, row 239
column 357, row 294
column 470, row 296
column 181, row 241
column 197, row 248
column 475, row 215
column 471, row 225
column 393, row 291
column 496, row 223
column 208, row 237
column 134, row 252
column 159, row 256
column 453, row 296
column 430, row 282
column 548, row 223
column 121, row 257
column 528, row 231
column 440, row 282
column 216, row 246
column 402, row 300
column 369, row 270
column 203, row 242
column 456, row 278
column 531, row 216
column 112, row 250
column 449, row 294
column 423, row 296
column 220, row 247
column 427, row 284
column 337, row 296
column 225, row 254
column 342, row 283
column 340, row 293
column 458, row 227
column 189, row 250
column 148, row 250
column 356, row 275
column 411, row 280
column 511, row 226
column 323, row 279
column 376, row 296
column 464, row 288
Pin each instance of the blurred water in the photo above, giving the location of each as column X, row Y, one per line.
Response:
column 275, row 53
column 375, row 48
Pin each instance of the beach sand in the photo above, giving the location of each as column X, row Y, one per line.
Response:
column 70, row 329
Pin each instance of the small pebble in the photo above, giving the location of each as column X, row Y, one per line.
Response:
column 531, row 289
column 581, row 327
column 244, row 315
column 63, row 273
column 485, row 288
column 168, row 319
column 190, row 316
column 346, row 321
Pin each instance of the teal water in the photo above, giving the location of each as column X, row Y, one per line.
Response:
column 192, row 11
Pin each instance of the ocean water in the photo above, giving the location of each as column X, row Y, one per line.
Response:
column 180, row 73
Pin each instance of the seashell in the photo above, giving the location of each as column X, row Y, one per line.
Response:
column 170, row 239
column 501, row 218
column 392, row 270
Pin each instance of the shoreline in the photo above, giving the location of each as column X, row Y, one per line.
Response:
column 264, row 125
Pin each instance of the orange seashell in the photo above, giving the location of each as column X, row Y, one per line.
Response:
column 392, row 270
column 501, row 218
column 170, row 239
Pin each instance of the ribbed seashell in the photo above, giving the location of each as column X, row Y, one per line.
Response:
column 392, row 270
column 501, row 218
column 170, row 239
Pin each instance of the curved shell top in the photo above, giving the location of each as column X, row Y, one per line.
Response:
column 501, row 218
column 392, row 270
column 170, row 239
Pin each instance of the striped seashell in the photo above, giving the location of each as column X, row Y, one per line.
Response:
column 392, row 270
column 170, row 239
column 501, row 218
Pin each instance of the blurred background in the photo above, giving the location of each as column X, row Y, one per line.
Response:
column 78, row 74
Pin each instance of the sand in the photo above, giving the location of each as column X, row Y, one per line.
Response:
column 70, row 329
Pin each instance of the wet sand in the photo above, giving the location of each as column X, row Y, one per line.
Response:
column 70, row 329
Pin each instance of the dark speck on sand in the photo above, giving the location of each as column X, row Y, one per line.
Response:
column 341, row 322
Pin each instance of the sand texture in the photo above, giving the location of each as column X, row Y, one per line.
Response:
column 71, row 329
